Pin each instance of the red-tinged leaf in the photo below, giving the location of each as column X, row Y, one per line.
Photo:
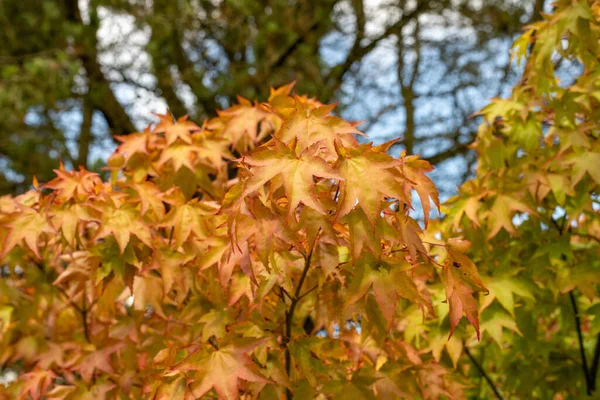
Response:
column 99, row 360
column 36, row 383
column 462, row 280
column 25, row 225
column 415, row 170
column 240, row 124
column 410, row 232
column 67, row 217
column 133, row 143
column 170, row 264
column 296, row 173
column 361, row 233
column 176, row 130
column 78, row 185
column 387, row 285
column 179, row 155
column 368, row 177
column 222, row 369
column 308, row 126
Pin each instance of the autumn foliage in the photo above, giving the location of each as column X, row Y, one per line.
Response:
column 264, row 252
column 270, row 254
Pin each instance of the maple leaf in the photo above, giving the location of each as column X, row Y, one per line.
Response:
column 368, row 177
column 150, row 198
column 212, row 150
column 587, row 161
column 388, row 283
column 133, row 143
column 308, row 126
column 462, row 280
column 503, row 290
column 222, row 369
column 97, row 360
column 280, row 97
column 25, row 225
column 409, row 232
column 181, row 129
column 415, row 169
column 495, row 323
column 244, row 124
column 179, row 155
column 502, row 212
column 122, row 223
column 169, row 263
column 296, row 172
column 187, row 218
column 67, row 218
column 361, row 233
column 75, row 184
column 148, row 290
column 36, row 383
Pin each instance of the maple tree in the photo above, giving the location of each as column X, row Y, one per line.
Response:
column 532, row 215
column 262, row 254
column 268, row 254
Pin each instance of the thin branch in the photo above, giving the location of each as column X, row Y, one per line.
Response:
column 334, row 78
column 586, row 372
column 595, row 364
column 279, row 61
column 307, row 292
column 84, row 312
column 483, row 373
column 213, row 342
column 289, row 316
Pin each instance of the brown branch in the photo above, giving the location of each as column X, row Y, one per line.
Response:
column 586, row 372
column 85, row 132
column 280, row 60
column 289, row 316
column 459, row 149
column 102, row 97
column 84, row 313
column 334, row 78
column 483, row 373
column 595, row 364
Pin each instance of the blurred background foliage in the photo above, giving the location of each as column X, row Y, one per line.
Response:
column 75, row 73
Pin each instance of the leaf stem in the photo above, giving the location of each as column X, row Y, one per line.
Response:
column 483, row 373
column 586, row 372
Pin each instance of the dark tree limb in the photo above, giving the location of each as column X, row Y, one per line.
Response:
column 85, row 133
column 586, row 372
column 483, row 373
column 289, row 317
column 595, row 364
column 102, row 97
column 357, row 52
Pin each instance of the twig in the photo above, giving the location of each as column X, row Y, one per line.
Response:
column 483, row 373
column 307, row 292
column 595, row 362
column 171, row 235
column 289, row 316
column 84, row 312
column 586, row 372
column 213, row 342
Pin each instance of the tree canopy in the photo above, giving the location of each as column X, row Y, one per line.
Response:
column 271, row 252
column 75, row 73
